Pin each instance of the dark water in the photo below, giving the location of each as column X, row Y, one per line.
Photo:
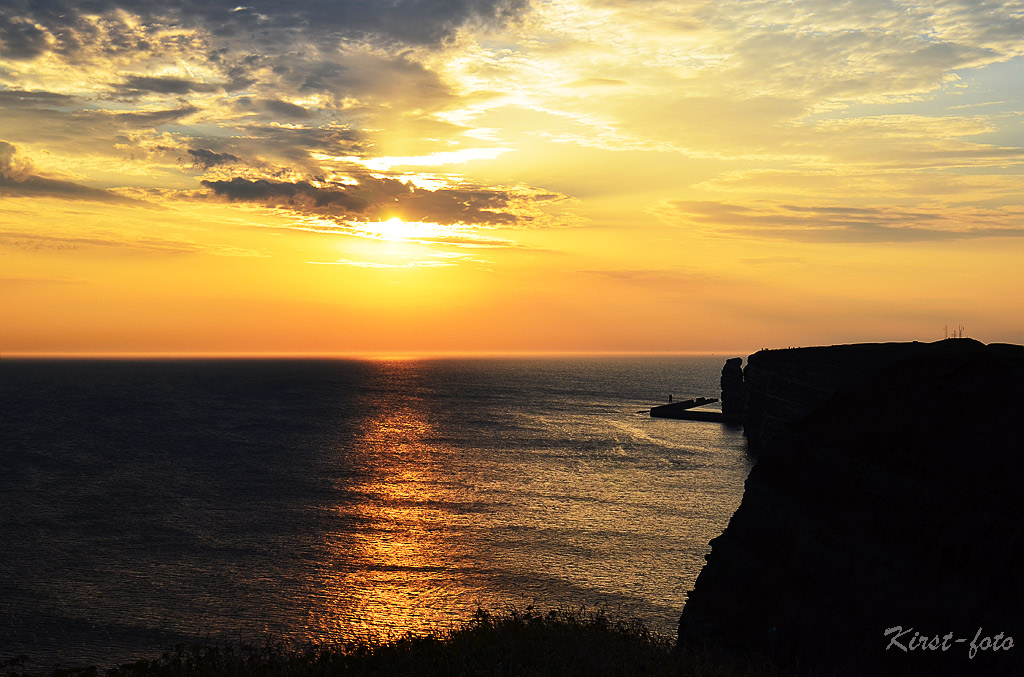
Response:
column 146, row 503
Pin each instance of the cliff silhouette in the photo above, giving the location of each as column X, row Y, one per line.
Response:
column 886, row 496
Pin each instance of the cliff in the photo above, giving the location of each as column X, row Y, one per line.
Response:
column 780, row 386
column 887, row 493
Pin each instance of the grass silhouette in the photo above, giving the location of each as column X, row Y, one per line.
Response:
column 505, row 644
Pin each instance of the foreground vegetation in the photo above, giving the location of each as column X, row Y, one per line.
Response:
column 502, row 645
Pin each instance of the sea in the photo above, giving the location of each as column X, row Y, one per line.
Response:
column 150, row 502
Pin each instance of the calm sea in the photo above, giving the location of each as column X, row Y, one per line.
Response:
column 146, row 503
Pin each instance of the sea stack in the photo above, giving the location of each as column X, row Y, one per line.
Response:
column 732, row 387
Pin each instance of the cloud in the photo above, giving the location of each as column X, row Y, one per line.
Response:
column 374, row 196
column 288, row 110
column 598, row 82
column 299, row 195
column 41, row 241
column 864, row 48
column 237, row 70
column 205, row 158
column 664, row 278
column 742, row 78
column 289, row 146
column 68, row 125
column 843, row 224
column 21, row 38
column 17, row 179
column 472, row 242
column 261, row 95
column 43, row 280
column 429, row 263
column 274, row 109
column 65, row 26
column 19, row 98
column 430, row 234
column 452, row 205
column 772, row 260
column 150, row 118
column 140, row 84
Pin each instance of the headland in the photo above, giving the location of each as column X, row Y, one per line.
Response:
column 886, row 499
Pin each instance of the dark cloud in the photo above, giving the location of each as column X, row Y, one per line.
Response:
column 448, row 206
column 138, row 84
column 343, row 52
column 293, row 145
column 25, row 23
column 20, row 98
column 153, row 118
column 289, row 110
column 21, row 38
column 299, row 195
column 17, row 179
column 384, row 76
column 322, row 76
column 205, row 158
column 37, row 186
column 69, row 126
column 377, row 197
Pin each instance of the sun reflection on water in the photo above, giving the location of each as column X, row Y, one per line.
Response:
column 446, row 498
column 397, row 570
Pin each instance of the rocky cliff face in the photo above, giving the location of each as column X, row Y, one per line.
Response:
column 887, row 494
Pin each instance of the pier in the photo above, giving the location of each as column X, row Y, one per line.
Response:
column 684, row 410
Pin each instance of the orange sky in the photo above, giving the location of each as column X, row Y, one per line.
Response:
column 507, row 175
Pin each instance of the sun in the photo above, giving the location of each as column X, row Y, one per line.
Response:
column 395, row 229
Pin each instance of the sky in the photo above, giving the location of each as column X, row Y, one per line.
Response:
column 488, row 176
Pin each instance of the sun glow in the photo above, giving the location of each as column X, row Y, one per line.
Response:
column 397, row 230
column 438, row 159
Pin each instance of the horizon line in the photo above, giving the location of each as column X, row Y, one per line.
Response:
column 359, row 355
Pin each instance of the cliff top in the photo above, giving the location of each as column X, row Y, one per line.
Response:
column 856, row 355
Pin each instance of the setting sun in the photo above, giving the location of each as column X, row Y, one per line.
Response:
column 397, row 230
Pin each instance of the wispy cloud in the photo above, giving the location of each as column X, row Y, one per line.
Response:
column 30, row 241
column 42, row 280
column 377, row 264
column 674, row 278
column 839, row 224
column 17, row 179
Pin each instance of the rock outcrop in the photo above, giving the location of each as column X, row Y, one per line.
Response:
column 887, row 494
column 732, row 387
